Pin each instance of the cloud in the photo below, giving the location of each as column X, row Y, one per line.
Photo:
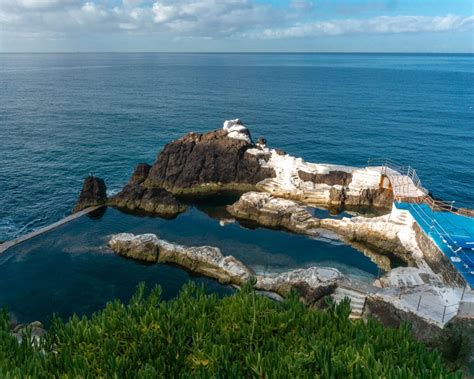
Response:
column 40, row 4
column 304, row 5
column 376, row 25
column 208, row 19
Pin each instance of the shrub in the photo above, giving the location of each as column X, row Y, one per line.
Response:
column 199, row 335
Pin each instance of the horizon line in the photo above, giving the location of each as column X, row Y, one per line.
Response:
column 238, row 52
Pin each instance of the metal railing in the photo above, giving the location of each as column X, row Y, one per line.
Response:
column 401, row 169
column 410, row 172
column 446, row 311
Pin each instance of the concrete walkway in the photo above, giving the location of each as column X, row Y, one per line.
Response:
column 8, row 244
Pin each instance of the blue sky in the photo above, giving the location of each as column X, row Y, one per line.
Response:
column 237, row 25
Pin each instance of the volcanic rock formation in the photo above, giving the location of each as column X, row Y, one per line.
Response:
column 136, row 196
column 93, row 193
column 207, row 163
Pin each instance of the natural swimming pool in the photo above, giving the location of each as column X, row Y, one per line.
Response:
column 70, row 270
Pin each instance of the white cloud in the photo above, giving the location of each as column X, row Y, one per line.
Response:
column 303, row 5
column 163, row 13
column 208, row 19
column 43, row 4
column 376, row 25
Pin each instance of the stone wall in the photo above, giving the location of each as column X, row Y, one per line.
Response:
column 437, row 260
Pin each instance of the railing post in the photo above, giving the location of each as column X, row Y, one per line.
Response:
column 463, row 292
column 418, row 306
column 444, row 312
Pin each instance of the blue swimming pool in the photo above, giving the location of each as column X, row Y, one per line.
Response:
column 452, row 233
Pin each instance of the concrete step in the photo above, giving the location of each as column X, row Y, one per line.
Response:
column 357, row 300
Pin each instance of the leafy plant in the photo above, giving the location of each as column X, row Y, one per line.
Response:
column 199, row 335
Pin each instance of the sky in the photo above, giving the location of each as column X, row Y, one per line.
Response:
column 237, row 26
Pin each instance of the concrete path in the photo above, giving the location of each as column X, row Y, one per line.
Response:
column 8, row 244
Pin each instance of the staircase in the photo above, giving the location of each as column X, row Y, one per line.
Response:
column 357, row 300
column 268, row 185
column 408, row 280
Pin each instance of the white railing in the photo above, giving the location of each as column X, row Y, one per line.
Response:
column 399, row 188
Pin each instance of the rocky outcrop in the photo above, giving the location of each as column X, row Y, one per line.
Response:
column 143, row 247
column 209, row 162
column 386, row 236
column 93, row 193
column 136, row 196
column 204, row 260
column 312, row 284
column 207, row 261
column 274, row 213
column 36, row 330
column 389, row 314
column 331, row 178
column 368, row 197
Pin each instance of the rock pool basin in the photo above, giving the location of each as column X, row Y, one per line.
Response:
column 69, row 269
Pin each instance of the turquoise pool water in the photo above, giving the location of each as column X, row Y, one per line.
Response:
column 452, row 233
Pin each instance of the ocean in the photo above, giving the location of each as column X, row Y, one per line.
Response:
column 64, row 116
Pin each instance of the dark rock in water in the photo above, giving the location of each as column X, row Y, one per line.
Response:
column 140, row 174
column 332, row 178
column 207, row 163
column 93, row 193
column 135, row 196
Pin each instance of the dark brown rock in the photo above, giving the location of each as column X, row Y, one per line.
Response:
column 261, row 141
column 93, row 193
column 206, row 163
column 135, row 196
column 333, row 178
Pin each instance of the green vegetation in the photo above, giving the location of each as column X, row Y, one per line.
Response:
column 199, row 335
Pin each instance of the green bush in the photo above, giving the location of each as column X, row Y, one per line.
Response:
column 199, row 335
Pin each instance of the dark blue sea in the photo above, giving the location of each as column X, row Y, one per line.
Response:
column 63, row 116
